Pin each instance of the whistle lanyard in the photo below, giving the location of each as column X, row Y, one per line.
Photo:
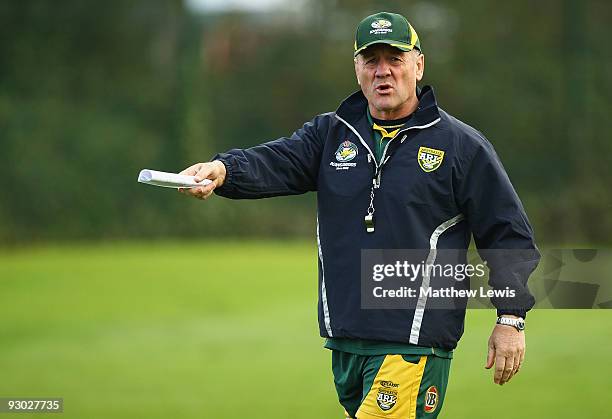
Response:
column 383, row 134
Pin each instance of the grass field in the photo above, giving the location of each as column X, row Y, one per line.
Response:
column 229, row 330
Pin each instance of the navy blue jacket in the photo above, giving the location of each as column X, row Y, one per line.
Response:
column 468, row 193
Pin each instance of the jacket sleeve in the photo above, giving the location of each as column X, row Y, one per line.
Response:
column 500, row 227
column 286, row 166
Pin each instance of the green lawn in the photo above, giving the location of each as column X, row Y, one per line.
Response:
column 229, row 331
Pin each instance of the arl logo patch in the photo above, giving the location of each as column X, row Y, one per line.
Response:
column 387, row 395
column 346, row 152
column 430, row 158
column 431, row 399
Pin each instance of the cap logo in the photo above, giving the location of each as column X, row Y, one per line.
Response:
column 381, row 26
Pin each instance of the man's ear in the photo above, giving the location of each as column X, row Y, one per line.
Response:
column 420, row 64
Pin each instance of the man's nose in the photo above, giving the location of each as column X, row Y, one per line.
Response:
column 382, row 69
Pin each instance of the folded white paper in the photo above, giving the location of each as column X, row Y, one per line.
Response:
column 169, row 180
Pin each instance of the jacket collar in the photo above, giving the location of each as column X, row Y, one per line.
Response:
column 353, row 108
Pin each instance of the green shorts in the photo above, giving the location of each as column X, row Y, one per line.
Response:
column 390, row 386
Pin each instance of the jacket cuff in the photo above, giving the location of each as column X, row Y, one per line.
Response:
column 518, row 313
column 229, row 173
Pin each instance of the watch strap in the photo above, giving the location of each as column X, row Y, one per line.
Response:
column 518, row 324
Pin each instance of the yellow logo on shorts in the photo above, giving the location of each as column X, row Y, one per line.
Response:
column 430, row 158
column 387, row 395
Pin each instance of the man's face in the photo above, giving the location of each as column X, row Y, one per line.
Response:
column 388, row 78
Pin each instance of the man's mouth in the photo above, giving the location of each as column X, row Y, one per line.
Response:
column 383, row 88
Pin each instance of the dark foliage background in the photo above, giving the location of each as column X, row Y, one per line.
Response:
column 91, row 92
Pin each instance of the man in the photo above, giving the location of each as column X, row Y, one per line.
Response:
column 392, row 171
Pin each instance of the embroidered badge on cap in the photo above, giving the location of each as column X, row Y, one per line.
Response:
column 381, row 26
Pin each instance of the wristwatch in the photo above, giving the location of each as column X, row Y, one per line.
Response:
column 518, row 324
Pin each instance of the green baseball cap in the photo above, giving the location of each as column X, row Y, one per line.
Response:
column 386, row 28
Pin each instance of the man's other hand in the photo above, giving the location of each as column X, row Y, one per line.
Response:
column 506, row 352
column 214, row 170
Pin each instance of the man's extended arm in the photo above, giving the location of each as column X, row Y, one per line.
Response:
column 286, row 166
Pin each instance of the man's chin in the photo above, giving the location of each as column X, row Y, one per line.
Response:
column 384, row 105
